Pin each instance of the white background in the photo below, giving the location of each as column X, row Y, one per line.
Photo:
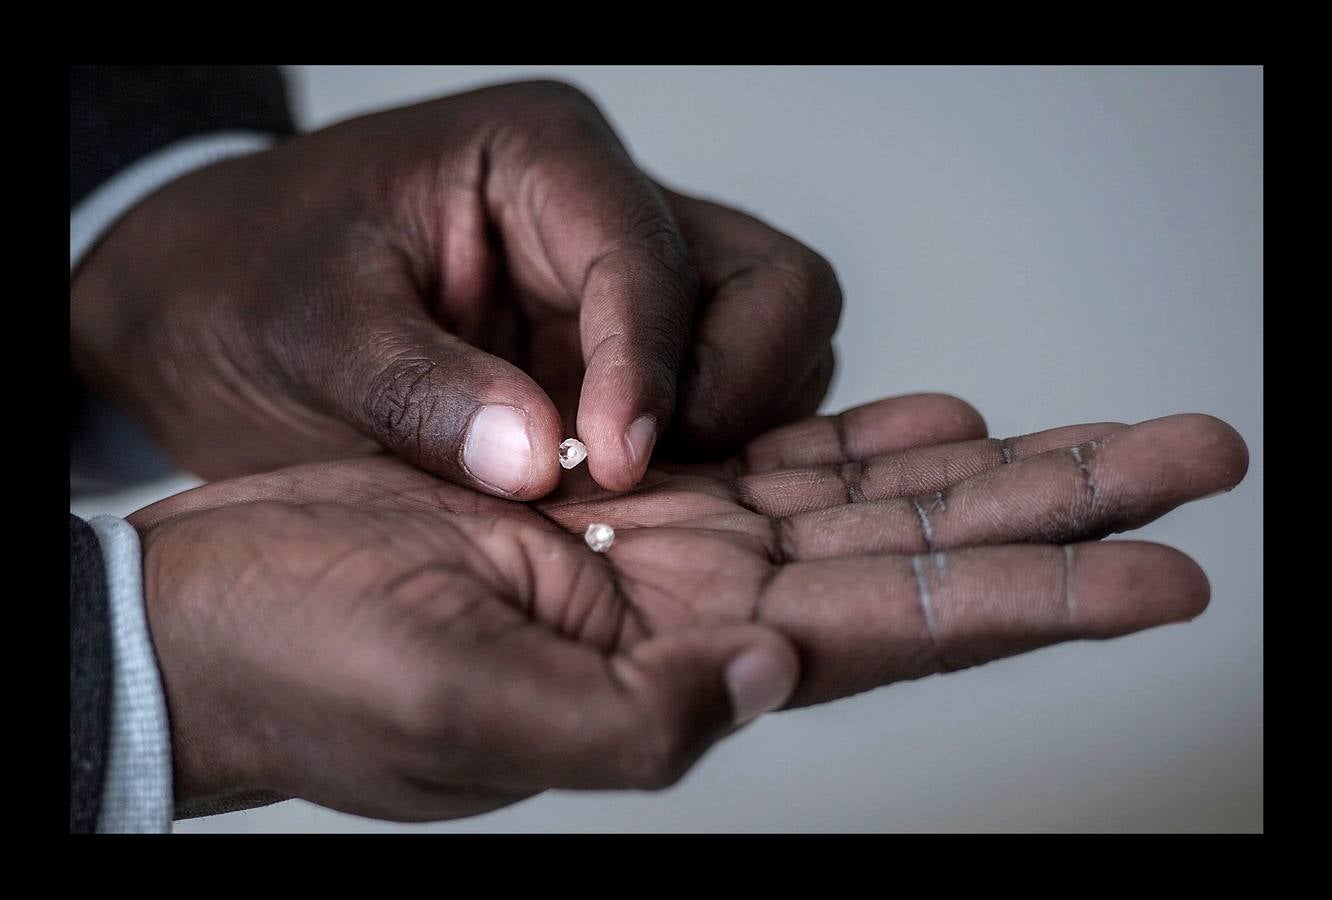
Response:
column 1053, row 245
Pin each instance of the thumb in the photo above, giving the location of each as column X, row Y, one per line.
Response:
column 691, row 688
column 568, row 716
column 731, row 675
column 451, row 408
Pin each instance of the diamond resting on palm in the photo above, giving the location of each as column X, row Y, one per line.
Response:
column 599, row 537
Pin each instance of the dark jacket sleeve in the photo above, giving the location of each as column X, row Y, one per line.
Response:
column 89, row 676
column 118, row 114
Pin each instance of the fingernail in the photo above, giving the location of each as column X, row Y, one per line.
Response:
column 497, row 451
column 640, row 436
column 758, row 680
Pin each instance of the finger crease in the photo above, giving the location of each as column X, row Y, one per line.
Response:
column 622, row 597
column 851, row 475
column 1085, row 470
column 756, row 611
column 740, row 496
column 734, row 468
column 781, row 551
column 926, row 604
column 1069, row 606
column 528, row 599
column 839, row 427
column 926, row 529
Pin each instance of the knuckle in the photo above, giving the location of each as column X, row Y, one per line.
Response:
column 400, row 399
column 648, row 225
column 810, row 280
column 826, row 289
column 648, row 250
column 557, row 91
column 1086, row 508
column 645, row 362
column 640, row 222
column 552, row 102
column 821, row 272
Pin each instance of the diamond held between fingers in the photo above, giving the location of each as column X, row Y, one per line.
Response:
column 572, row 452
column 599, row 537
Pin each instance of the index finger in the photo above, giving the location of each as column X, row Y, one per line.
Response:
column 589, row 234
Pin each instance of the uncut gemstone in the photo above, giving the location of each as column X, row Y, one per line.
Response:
column 572, row 452
column 599, row 537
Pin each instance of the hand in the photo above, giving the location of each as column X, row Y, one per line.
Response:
column 365, row 636
column 464, row 282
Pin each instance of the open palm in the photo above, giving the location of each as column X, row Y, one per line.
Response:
column 402, row 647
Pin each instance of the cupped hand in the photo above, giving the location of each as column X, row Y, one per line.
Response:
column 464, row 282
column 366, row 636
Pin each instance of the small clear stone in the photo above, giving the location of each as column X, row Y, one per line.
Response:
column 572, row 452
column 599, row 537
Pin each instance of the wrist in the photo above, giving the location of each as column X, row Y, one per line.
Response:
column 215, row 743
column 104, row 332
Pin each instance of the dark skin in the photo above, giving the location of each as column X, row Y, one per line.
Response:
column 427, row 636
column 383, row 281
column 364, row 635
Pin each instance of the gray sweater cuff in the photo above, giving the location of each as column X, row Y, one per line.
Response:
column 137, row 794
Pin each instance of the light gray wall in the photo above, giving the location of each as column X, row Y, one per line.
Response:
column 1056, row 246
